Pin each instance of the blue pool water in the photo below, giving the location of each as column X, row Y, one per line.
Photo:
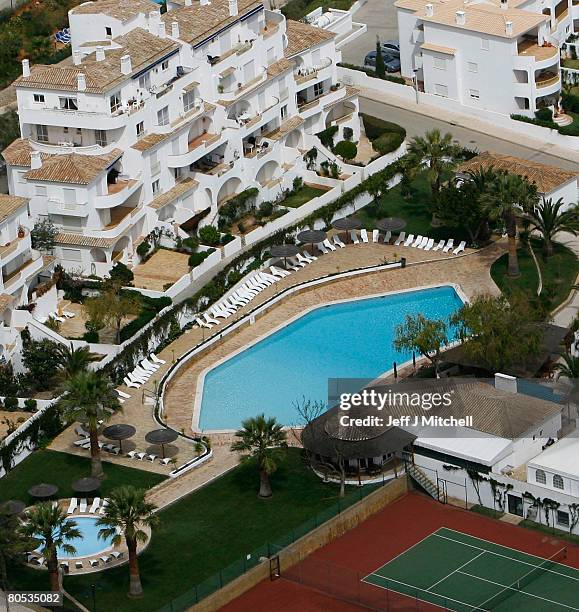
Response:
column 346, row 340
column 90, row 543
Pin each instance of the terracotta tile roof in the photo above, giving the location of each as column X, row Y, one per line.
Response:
column 180, row 188
column 302, row 36
column 281, row 65
column 80, row 240
column 196, row 22
column 5, row 301
column 17, row 153
column 149, row 141
column 73, row 168
column 438, row 48
column 546, row 178
column 418, row 4
column 285, row 128
column 9, row 204
column 142, row 46
column 122, row 11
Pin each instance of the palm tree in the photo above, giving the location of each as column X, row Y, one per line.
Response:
column 569, row 369
column 262, row 438
column 548, row 220
column 54, row 529
column 507, row 197
column 71, row 361
column 435, row 151
column 90, row 397
column 13, row 545
column 125, row 516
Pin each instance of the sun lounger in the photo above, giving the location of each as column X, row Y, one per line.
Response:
column 79, row 431
column 131, row 454
column 401, row 238
column 302, row 259
column 459, row 248
column 242, row 299
column 429, row 244
column 409, row 240
column 149, row 365
column 140, row 456
column 130, row 383
column 31, row 557
column 278, row 272
column 117, row 554
column 209, row 319
column 65, row 566
column 137, row 378
column 82, row 442
column 354, row 237
column 122, row 394
column 217, row 313
column 265, row 280
column 139, row 372
column 165, row 461
column 94, row 562
column 338, row 242
column 364, row 235
column 39, row 560
column 423, row 242
column 107, row 447
column 147, row 368
column 322, row 248
column 54, row 315
column 375, row 235
column 252, row 291
column 156, row 359
column 96, row 502
column 82, row 506
column 103, row 508
column 449, row 245
column 267, row 276
column 237, row 301
column 253, row 282
column 387, row 237
column 68, row 314
column 78, row 564
column 329, row 245
column 417, row 241
column 72, row 506
column 151, row 458
column 439, row 245
column 106, row 558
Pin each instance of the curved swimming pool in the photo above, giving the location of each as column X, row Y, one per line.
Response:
column 90, row 544
column 351, row 339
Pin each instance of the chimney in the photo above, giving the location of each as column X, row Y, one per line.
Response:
column 509, row 28
column 25, row 68
column 504, row 382
column 175, row 29
column 504, row 4
column 35, row 160
column 154, row 19
column 126, row 66
column 81, row 81
column 429, row 10
column 233, row 12
column 162, row 30
column 460, row 17
column 100, row 54
column 77, row 57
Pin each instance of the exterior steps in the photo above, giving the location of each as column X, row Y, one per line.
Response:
column 423, row 480
column 563, row 120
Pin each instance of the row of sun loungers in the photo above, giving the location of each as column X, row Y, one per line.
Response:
column 141, row 374
column 79, row 564
column 426, row 243
column 140, row 456
column 81, row 505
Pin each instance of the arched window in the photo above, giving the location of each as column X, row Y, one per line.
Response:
column 540, row 477
column 557, row 481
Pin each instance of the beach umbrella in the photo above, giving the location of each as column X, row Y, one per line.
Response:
column 119, row 432
column 346, row 223
column 43, row 490
column 391, row 224
column 160, row 437
column 12, row 506
column 312, row 237
column 285, row 251
column 86, row 485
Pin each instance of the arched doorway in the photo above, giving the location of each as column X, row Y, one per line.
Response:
column 294, row 139
column 268, row 172
column 230, row 188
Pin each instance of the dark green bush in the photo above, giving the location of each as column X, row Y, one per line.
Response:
column 346, row 149
column 191, row 243
column 570, row 102
column 143, row 248
column 372, row 73
column 525, row 119
column 209, row 235
column 544, row 114
column 91, row 336
column 327, row 136
column 30, row 404
column 197, row 258
column 10, row 404
column 121, row 273
column 227, row 238
column 375, row 127
column 387, row 142
column 570, row 130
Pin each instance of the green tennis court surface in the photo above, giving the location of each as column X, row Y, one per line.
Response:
column 459, row 572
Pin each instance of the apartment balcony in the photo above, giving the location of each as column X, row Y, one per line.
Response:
column 86, row 119
column 536, row 57
column 196, row 148
column 61, row 147
column 122, row 218
column 547, row 83
column 227, row 98
column 312, row 74
column 59, row 207
column 325, row 100
column 13, row 280
column 117, row 193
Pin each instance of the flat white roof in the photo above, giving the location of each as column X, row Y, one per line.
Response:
column 470, row 445
column 562, row 458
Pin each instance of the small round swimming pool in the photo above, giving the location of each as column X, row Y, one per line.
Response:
column 90, row 543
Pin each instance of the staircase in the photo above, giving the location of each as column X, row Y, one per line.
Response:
column 422, row 479
column 562, row 120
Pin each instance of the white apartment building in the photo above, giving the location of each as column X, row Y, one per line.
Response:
column 493, row 55
column 159, row 119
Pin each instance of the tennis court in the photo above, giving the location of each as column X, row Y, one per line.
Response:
column 461, row 572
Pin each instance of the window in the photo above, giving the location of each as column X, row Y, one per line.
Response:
column 39, row 97
column 100, row 137
column 69, row 197
column 440, row 63
column 145, row 81
column 41, row 133
column 165, row 65
column 188, row 100
column 318, row 89
column 284, row 111
column 441, row 90
column 472, row 67
column 40, row 190
column 558, row 482
column 71, row 254
column 474, row 94
column 177, row 173
column 155, row 165
column 484, row 44
column 115, row 101
column 109, row 31
column 20, row 177
column 155, row 187
column 163, row 116
column 140, row 127
column 540, row 477
column 563, row 518
column 68, row 103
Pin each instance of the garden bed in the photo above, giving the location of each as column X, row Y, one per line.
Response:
column 298, row 9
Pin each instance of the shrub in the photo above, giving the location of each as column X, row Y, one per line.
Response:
column 209, row 235
column 525, row 119
column 121, row 273
column 346, row 150
column 570, row 102
column 191, row 244
column 387, row 142
column 265, row 209
column 348, row 133
column 375, row 127
column 327, row 136
column 11, row 404
column 227, row 238
column 372, row 73
column 570, row 130
column 297, row 183
column 544, row 114
column 197, row 258
column 143, row 249
column 91, row 336
column 30, row 404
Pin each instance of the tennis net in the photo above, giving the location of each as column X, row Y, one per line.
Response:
column 492, row 602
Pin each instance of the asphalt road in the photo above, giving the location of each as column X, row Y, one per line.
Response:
column 417, row 124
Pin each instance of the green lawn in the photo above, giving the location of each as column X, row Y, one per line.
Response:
column 301, row 196
column 62, row 469
column 205, row 532
column 559, row 272
column 414, row 210
column 570, row 63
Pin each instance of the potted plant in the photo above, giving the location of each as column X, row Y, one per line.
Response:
column 21, row 232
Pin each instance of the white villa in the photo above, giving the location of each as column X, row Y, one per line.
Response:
column 160, row 119
column 496, row 55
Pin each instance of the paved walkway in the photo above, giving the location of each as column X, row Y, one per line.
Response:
column 566, row 314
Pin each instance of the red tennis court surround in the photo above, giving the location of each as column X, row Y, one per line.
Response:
column 338, row 567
